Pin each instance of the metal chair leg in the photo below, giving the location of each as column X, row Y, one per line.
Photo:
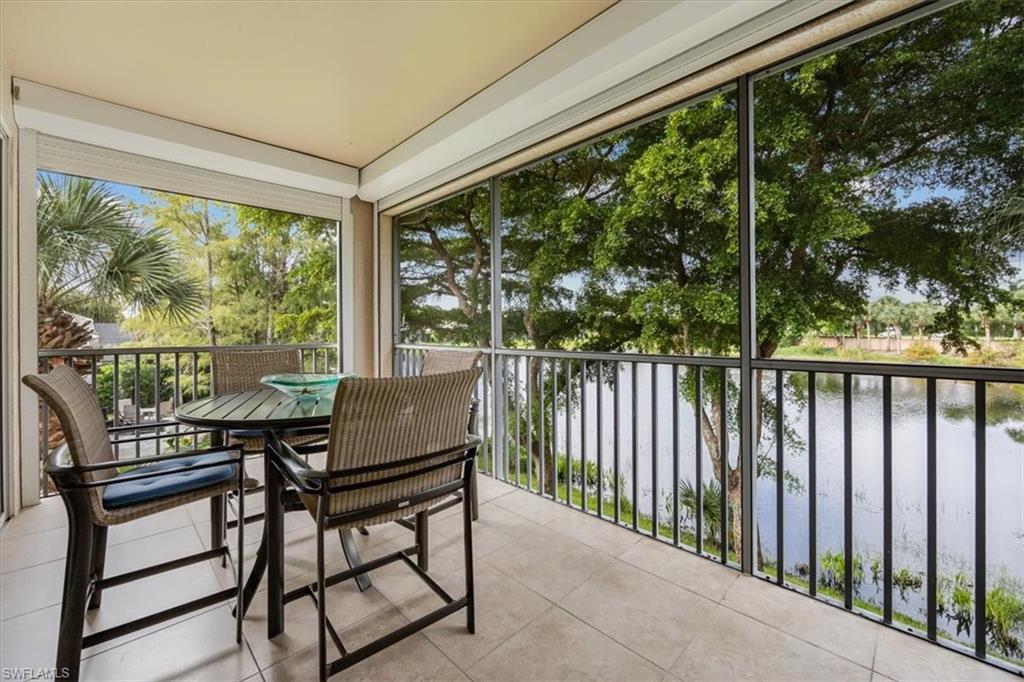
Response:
column 76, row 589
column 321, row 596
column 99, row 555
column 473, row 499
column 348, row 547
column 218, row 521
column 422, row 539
column 240, row 560
column 467, row 535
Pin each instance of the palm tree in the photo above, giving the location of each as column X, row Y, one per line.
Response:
column 888, row 310
column 90, row 247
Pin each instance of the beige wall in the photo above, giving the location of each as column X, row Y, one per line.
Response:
column 385, row 261
column 362, row 282
column 9, row 272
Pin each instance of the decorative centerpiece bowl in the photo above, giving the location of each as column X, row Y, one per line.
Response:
column 305, row 386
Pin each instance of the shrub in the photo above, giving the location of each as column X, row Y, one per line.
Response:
column 918, row 351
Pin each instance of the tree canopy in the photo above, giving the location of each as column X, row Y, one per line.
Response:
column 892, row 164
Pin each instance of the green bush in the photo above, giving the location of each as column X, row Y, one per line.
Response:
column 832, row 574
column 919, row 352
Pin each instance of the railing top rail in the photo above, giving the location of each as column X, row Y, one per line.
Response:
column 642, row 358
column 438, row 346
column 956, row 373
column 908, row 370
column 149, row 350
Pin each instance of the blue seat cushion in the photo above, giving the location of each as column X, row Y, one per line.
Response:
column 117, row 495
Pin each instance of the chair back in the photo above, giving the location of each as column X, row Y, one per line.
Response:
column 81, row 419
column 241, row 370
column 384, row 421
column 444, row 361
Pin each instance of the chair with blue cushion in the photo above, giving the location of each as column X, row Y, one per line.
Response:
column 99, row 491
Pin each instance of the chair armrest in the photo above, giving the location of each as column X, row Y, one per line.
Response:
column 295, row 470
column 59, row 461
column 142, row 426
column 312, row 480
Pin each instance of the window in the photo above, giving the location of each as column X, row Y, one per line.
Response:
column 119, row 265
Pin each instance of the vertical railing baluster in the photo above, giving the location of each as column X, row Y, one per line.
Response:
column 654, row 450
column 980, row 561
column 932, row 513
column 675, row 455
column 635, row 434
column 542, row 481
column 115, row 397
column 195, row 375
column 599, row 386
column 138, row 403
column 616, row 455
column 481, row 407
column 506, row 433
column 780, row 490
column 554, row 430
column 529, row 422
column 848, row 490
column 518, row 448
column 568, row 432
column 488, row 431
column 698, row 443
column 812, row 483
column 887, row 499
column 723, row 448
column 583, row 435
column 156, row 398
column 177, row 398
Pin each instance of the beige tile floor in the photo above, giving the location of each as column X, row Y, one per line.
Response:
column 560, row 596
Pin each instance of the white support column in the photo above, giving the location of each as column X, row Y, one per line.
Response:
column 27, row 340
column 346, row 287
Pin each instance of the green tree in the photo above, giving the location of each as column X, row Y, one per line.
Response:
column 275, row 279
column 920, row 315
column 890, row 312
column 199, row 232
column 92, row 249
column 446, row 271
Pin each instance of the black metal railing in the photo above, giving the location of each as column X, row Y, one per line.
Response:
column 139, row 388
column 608, row 433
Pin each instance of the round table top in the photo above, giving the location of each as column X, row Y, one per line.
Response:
column 258, row 410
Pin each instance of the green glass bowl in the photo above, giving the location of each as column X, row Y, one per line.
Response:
column 305, row 386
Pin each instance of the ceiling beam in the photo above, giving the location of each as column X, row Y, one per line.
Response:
column 627, row 51
column 84, row 119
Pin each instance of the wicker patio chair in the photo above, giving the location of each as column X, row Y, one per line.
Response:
column 397, row 445
column 436, row 361
column 97, row 495
column 235, row 371
column 444, row 361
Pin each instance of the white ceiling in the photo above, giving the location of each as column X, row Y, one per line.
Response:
column 344, row 81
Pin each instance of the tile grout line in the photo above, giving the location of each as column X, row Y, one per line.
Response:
column 718, row 602
column 497, row 646
column 794, row 636
column 110, row 545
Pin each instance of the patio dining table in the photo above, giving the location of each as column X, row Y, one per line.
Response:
column 273, row 414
